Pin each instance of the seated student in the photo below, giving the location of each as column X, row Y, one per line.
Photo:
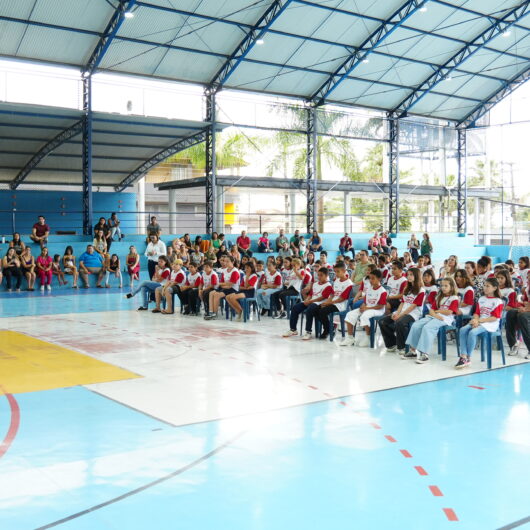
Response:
column 229, row 284
column 324, row 260
column 264, row 243
column 516, row 278
column 90, row 262
column 243, row 244
column 338, row 301
column 486, row 318
column 511, row 307
column 44, row 269
column 519, row 320
column 523, row 268
column 320, row 291
column 424, row 332
column 260, row 270
column 429, row 284
column 57, row 271
column 113, row 266
column 409, row 264
column 27, row 265
column 382, row 266
column 176, row 279
column 315, row 243
column 189, row 292
column 210, row 281
column 160, row 278
column 394, row 328
column 471, row 268
column 69, row 265
column 293, row 287
column 272, row 283
column 40, row 232
column 465, row 292
column 346, row 245
column 484, row 272
column 133, row 265
column 247, row 289
column 396, row 284
column 373, row 305
column 11, row 268
column 17, row 244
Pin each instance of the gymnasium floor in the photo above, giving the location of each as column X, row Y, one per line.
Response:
column 114, row 419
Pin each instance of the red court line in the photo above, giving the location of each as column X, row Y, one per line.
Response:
column 390, row 438
column 13, row 426
column 450, row 514
column 421, row 471
column 343, row 403
column 477, row 387
column 312, row 387
column 375, row 425
column 405, row 453
column 435, row 490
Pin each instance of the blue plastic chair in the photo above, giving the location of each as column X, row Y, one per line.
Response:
column 374, row 323
column 486, row 346
column 342, row 317
column 247, row 304
column 290, row 301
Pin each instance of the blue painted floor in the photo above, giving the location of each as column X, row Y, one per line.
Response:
column 320, row 466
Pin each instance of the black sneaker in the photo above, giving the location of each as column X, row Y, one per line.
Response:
column 128, row 295
column 264, row 312
column 422, row 359
column 408, row 355
column 142, row 308
column 324, row 336
column 282, row 314
column 462, row 363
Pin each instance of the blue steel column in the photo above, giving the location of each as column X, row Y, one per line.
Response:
column 393, row 160
column 461, row 198
column 211, row 162
column 311, row 176
column 87, row 156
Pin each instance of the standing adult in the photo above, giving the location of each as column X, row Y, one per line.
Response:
column 114, row 225
column 413, row 246
column 281, row 239
column 155, row 249
column 153, row 229
column 90, row 262
column 44, row 269
column 346, row 245
column 426, row 245
column 40, row 232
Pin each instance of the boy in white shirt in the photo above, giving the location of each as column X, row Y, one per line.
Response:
column 374, row 303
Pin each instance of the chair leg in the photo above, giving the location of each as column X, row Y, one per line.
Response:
column 489, row 347
column 501, row 347
column 373, row 324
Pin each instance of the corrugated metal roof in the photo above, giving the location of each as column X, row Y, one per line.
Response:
column 303, row 47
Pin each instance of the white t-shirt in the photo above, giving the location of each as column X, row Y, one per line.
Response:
column 396, row 286
column 373, row 297
column 294, row 281
column 342, row 290
column 417, row 300
column 321, row 289
column 449, row 303
column 490, row 307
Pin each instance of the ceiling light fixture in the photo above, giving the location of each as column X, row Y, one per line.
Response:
column 128, row 14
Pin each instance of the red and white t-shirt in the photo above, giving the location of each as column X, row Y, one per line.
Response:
column 448, row 303
column 194, row 280
column 511, row 295
column 342, row 290
column 417, row 300
column 273, row 279
column 294, row 281
column 178, row 277
column 365, row 284
column 231, row 276
column 490, row 307
column 430, row 294
column 467, row 296
column 385, row 273
column 523, row 273
column 397, row 286
column 373, row 297
column 250, row 281
column 165, row 275
column 210, row 280
column 321, row 289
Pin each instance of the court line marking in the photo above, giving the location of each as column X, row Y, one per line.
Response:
column 516, row 524
column 14, row 423
column 160, row 480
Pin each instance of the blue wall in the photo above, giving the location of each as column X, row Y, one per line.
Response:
column 62, row 209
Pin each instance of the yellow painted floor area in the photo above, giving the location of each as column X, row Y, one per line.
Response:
column 29, row 365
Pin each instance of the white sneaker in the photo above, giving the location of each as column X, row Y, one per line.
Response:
column 239, row 317
column 41, row 288
column 290, row 333
column 364, row 341
column 392, row 349
column 49, row 287
column 348, row 340
column 307, row 336
column 514, row 350
column 401, row 352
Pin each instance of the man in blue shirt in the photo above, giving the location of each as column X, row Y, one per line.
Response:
column 91, row 262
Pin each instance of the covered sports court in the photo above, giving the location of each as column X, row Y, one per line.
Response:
column 113, row 418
